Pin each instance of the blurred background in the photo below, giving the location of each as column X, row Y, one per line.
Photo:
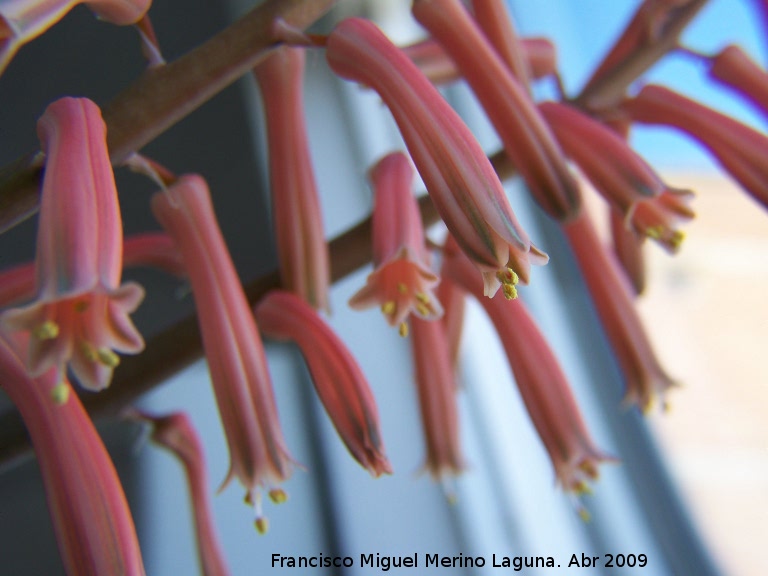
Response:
column 692, row 489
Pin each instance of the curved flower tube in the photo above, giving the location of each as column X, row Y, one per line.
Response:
column 296, row 214
column 338, row 379
column 93, row 524
column 626, row 181
column 732, row 67
column 233, row 347
column 402, row 281
column 458, row 176
column 81, row 314
column 24, row 20
column 541, row 381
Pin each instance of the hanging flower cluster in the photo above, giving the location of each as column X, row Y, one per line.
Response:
column 67, row 316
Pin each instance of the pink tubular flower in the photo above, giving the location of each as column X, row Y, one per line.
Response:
column 527, row 139
column 154, row 249
column 738, row 148
column 734, row 68
column 176, row 433
column 542, row 383
column 494, row 19
column 437, row 389
column 90, row 515
column 644, row 377
column 25, row 20
column 339, row 382
column 402, row 281
column 236, row 360
column 81, row 312
column 454, row 302
column 625, row 180
column 296, row 213
column 455, row 170
column 628, row 247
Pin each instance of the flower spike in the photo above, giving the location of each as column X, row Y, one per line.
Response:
column 296, row 213
column 541, row 381
column 402, row 281
column 233, row 347
column 91, row 518
column 338, row 379
column 81, row 312
column 458, row 176
column 740, row 149
column 527, row 139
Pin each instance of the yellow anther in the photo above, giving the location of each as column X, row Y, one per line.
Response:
column 422, row 309
column 510, row 292
column 81, row 306
column 403, row 329
column 278, row 495
column 388, row 308
column 423, row 298
column 654, row 232
column 48, row 330
column 507, row 277
column 402, row 288
column 676, row 239
column 107, row 357
column 60, row 393
column 262, row 525
column 89, row 351
column 584, row 515
column 581, row 488
column 248, row 499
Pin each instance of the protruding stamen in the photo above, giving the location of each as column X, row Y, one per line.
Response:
column 278, row 495
column 60, row 393
column 402, row 288
column 89, row 351
column 403, row 329
column 388, row 308
column 107, row 357
column 507, row 277
column 422, row 297
column 510, row 292
column 48, row 330
column 422, row 309
column 262, row 525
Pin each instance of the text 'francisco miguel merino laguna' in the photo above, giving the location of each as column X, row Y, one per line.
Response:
column 385, row 563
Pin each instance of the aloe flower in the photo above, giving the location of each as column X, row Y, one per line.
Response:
column 493, row 18
column 625, row 180
column 24, row 20
column 90, row 515
column 526, row 137
column 733, row 67
column 153, row 249
column 458, row 176
column 233, row 347
column 542, row 383
column 175, row 433
column 740, row 149
column 454, row 302
column 296, row 212
column 402, row 281
column 628, row 248
column 81, row 313
column 337, row 377
column 436, row 386
column 644, row 376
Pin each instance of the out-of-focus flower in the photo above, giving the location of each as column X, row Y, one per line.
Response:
column 458, row 176
column 176, row 433
column 454, row 302
column 24, row 20
column 628, row 247
column 644, row 377
column 541, row 381
column 338, row 379
column 740, row 149
column 436, row 386
column 81, row 314
column 233, row 347
column 625, row 180
column 296, row 213
column 402, row 281
column 526, row 137
column 91, row 518
column 496, row 23
column 733, row 67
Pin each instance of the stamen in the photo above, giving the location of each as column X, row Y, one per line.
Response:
column 507, row 277
column 60, row 393
column 402, row 288
column 510, row 292
column 278, row 495
column 262, row 525
column 388, row 308
column 89, row 351
column 107, row 357
column 422, row 297
column 422, row 309
column 403, row 330
column 48, row 330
